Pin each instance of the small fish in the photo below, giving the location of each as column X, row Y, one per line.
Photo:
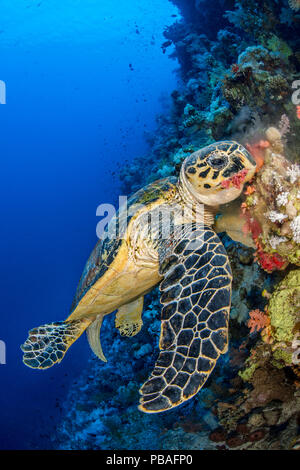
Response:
column 166, row 44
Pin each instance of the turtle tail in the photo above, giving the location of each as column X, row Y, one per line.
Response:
column 46, row 345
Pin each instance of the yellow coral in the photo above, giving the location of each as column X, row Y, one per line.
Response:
column 283, row 307
column 274, row 137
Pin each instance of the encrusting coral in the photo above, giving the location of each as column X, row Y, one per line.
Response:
column 279, row 346
column 272, row 205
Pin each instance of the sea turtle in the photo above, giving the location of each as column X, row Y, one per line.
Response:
column 165, row 237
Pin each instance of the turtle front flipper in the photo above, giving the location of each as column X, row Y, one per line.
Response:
column 195, row 295
column 46, row 345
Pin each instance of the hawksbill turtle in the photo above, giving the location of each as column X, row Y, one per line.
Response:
column 165, row 237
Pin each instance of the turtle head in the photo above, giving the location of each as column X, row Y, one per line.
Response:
column 217, row 173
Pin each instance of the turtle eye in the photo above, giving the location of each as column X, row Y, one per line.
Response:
column 217, row 161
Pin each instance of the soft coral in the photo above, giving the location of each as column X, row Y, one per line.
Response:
column 258, row 320
column 236, row 180
column 270, row 262
column 257, row 150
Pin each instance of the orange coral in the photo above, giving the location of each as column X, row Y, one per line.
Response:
column 258, row 320
column 250, row 190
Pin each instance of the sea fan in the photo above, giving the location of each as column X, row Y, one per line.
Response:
column 294, row 4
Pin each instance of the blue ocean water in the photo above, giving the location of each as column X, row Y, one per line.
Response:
column 84, row 82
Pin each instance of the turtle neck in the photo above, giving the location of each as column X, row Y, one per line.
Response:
column 195, row 203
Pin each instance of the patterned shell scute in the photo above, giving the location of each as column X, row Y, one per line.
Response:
column 107, row 249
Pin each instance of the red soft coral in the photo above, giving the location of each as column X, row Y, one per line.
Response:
column 237, row 180
column 269, row 262
column 257, row 150
column 258, row 320
column 251, row 224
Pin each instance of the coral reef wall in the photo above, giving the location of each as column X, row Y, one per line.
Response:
column 238, row 61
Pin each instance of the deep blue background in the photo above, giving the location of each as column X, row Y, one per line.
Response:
column 75, row 110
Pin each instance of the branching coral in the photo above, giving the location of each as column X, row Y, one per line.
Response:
column 294, row 173
column 295, row 226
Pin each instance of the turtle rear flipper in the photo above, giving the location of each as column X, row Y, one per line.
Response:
column 195, row 294
column 46, row 345
column 93, row 336
column 129, row 317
